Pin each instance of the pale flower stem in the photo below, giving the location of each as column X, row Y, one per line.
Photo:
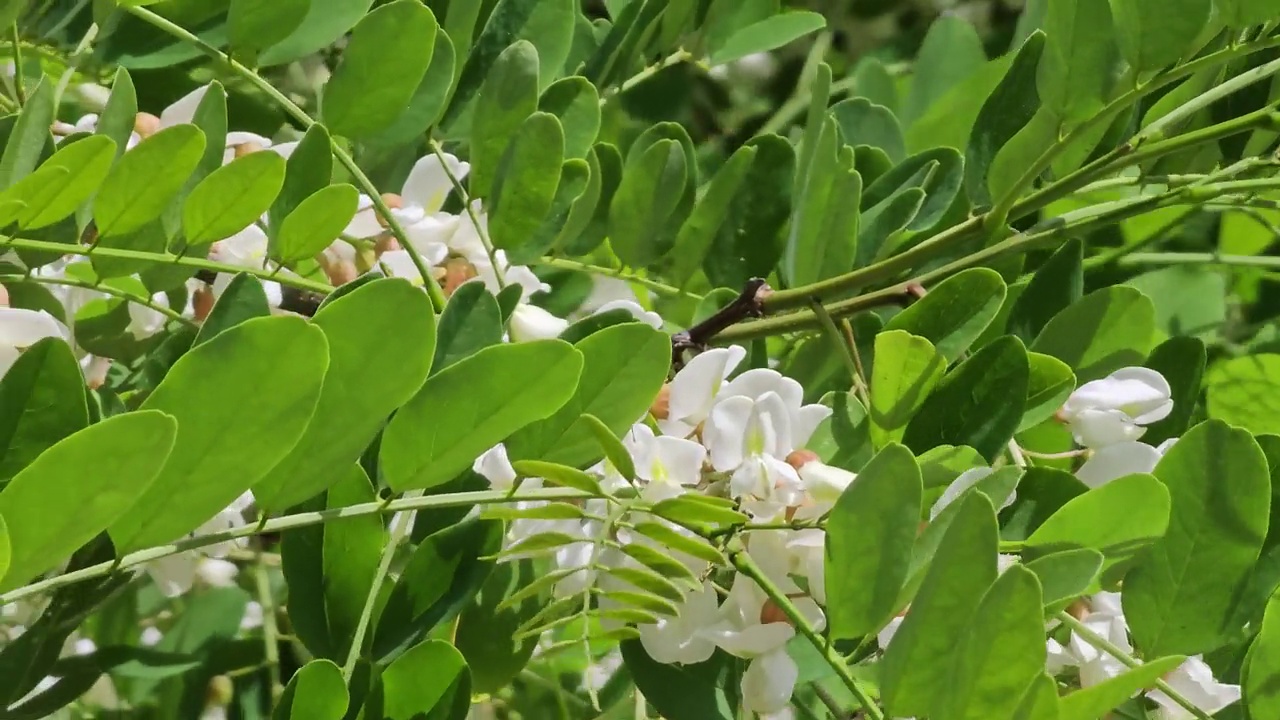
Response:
column 290, row 522
column 865, row 391
column 618, row 274
column 674, row 58
column 1055, row 456
column 846, row 350
column 398, row 534
column 270, row 631
column 1017, row 453
column 1127, row 660
column 471, row 214
column 745, row 565
column 291, row 108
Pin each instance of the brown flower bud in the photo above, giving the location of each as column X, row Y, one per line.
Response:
column 202, row 302
column 799, row 458
column 457, row 271
column 771, row 613
column 1079, row 609
column 145, row 124
column 393, row 202
column 661, row 407
column 243, row 149
column 340, row 272
column 386, row 242
column 4, row 296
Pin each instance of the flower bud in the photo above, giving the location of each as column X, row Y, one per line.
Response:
column 824, row 482
column 393, row 202
column 146, row 124
column 202, row 301
column 386, row 242
column 799, row 458
column 339, row 271
column 457, row 271
column 771, row 613
column 220, row 691
column 243, row 149
column 530, row 322
column 661, row 407
column 4, row 296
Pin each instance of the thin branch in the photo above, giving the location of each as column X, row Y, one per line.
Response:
column 105, row 290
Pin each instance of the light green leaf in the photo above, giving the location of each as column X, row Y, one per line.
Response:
column 29, row 136
column 623, row 368
column 1003, row 652
column 714, row 205
column 768, row 34
column 473, row 405
column 1189, row 300
column 385, row 59
column 1108, row 329
column 232, row 197
column 308, row 170
column 508, row 97
column 614, row 451
column 1156, row 33
column 1118, row 519
column 527, row 178
column 863, row 123
column 241, row 401
column 428, row 100
column 361, row 390
column 326, row 21
column 1079, row 55
column 824, row 228
column 1056, row 285
column 870, row 535
column 254, row 26
column 121, row 112
column 1262, row 665
column 906, row 370
column 1244, row 391
column 556, row 474
column 955, row 312
column 648, row 198
column 61, row 183
column 1066, row 575
column 917, row 665
column 141, row 185
column 430, row 679
column 244, row 298
column 1048, row 386
column 951, row 53
column 313, row 225
column 1179, row 598
column 1243, row 13
column 106, row 467
column 316, row 692
column 1098, row 700
column 42, row 401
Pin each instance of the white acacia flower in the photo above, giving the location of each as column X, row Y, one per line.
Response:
column 1115, row 408
column 694, row 389
column 1114, row 461
column 1194, row 681
column 758, row 382
column 493, row 465
column 145, row 322
column 247, row 249
column 1105, row 617
column 421, row 197
column 530, row 322
column 823, row 482
column 749, row 438
column 683, row 638
column 652, row 319
column 667, row 464
column 20, row 329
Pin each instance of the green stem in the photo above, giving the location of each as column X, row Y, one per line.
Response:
column 1186, row 110
column 104, row 289
column 843, row 348
column 290, row 522
column 370, row 600
column 1189, row 258
column 1127, row 660
column 658, row 287
column 498, row 272
column 745, row 565
column 19, row 87
column 162, row 258
column 270, row 631
column 361, row 180
column 674, row 58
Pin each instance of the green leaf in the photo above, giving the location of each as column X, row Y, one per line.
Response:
column 316, row 692
column 527, row 179
column 1243, row 13
column 471, row 322
column 623, row 368
column 689, row 545
column 486, row 632
column 361, row 390
column 326, row 21
column 428, row 680
column 1242, row 391
column 1066, row 575
column 1262, row 665
column 254, row 26
column 938, row 171
column 906, row 370
column 824, row 229
column 616, row 52
column 1118, row 519
column 1180, row 597
column 614, row 451
column 1003, row 652
column 955, row 312
column 441, row 578
column 647, row 199
column 121, row 112
column 1022, row 150
column 308, row 170
column 62, row 183
column 428, row 101
column 1040, row 702
column 1108, row 329
column 1079, row 54
column 557, row 474
column 508, row 97
column 751, row 241
column 576, row 103
column 1006, row 111
column 243, row 299
column 108, row 466
column 42, row 401
column 29, row 137
column 864, row 124
column 871, row 532
column 1188, row 300
column 696, row 510
column 1057, row 284
column 241, row 401
column 699, row 231
column 768, row 34
column 1098, row 700
column 141, row 185
column 971, row 405
column 232, row 197
column 1049, row 385
column 949, row 120
column 917, row 664
column 950, row 53
column 313, row 225
column 700, row 691
column 210, row 117
column 385, row 59
column 1181, row 360
column 1156, row 33
column 473, row 405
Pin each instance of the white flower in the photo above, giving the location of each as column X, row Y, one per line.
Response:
column 20, row 329
column 247, row 249
column 1105, row 618
column 495, row 467
column 428, row 184
column 150, row 636
column 215, row 572
column 963, row 482
column 1115, row 408
column 145, row 322
column 1194, row 681
column 1114, row 461
column 683, row 638
column 667, row 463
column 749, row 438
column 652, row 319
column 694, row 389
column 252, row 616
column 758, row 382
column 823, row 482
column 530, row 322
